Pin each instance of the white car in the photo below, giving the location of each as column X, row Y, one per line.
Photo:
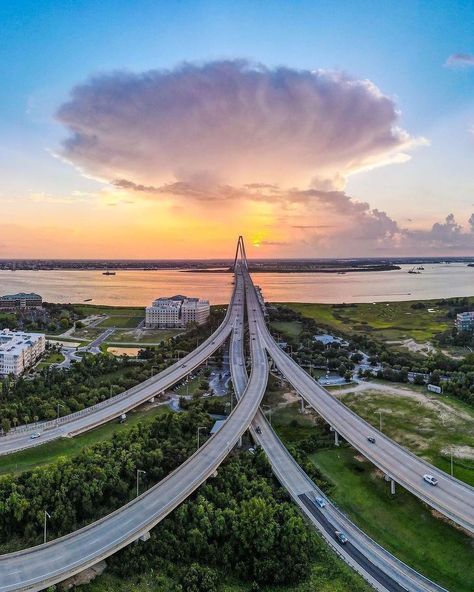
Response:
column 320, row 501
column 35, row 435
column 430, row 479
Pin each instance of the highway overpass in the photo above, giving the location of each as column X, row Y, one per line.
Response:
column 451, row 497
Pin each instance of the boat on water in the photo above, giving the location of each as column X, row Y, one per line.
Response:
column 88, row 300
column 108, row 273
column 414, row 271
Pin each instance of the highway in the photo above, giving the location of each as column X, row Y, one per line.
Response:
column 451, row 497
column 42, row 566
column 91, row 417
column 376, row 565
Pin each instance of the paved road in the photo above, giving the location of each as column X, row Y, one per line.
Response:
column 451, row 497
column 381, row 569
column 76, row 423
column 36, row 568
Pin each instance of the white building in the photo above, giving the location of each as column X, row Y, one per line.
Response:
column 19, row 350
column 465, row 321
column 177, row 312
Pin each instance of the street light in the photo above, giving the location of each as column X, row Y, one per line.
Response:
column 198, row 431
column 139, row 472
column 46, row 515
column 57, row 417
column 380, row 419
column 270, row 409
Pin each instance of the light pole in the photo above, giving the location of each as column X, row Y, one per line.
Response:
column 139, row 472
column 46, row 516
column 57, row 416
column 270, row 409
column 198, row 431
column 380, row 419
column 151, row 371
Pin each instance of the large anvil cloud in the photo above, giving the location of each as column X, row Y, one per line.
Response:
column 229, row 122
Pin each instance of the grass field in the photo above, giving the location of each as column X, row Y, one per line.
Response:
column 400, row 523
column 122, row 321
column 45, row 454
column 429, row 426
column 288, row 328
column 129, row 336
column 89, row 333
column 87, row 310
column 386, row 320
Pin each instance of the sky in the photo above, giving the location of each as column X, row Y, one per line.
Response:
column 154, row 129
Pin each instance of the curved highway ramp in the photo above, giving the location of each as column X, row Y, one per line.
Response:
column 39, row 567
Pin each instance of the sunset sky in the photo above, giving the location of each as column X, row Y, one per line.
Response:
column 156, row 129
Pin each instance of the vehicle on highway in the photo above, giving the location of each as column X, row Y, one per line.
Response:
column 35, row 435
column 430, row 479
column 321, row 502
column 341, row 537
column 122, row 418
column 371, row 439
column 258, row 429
column 183, row 366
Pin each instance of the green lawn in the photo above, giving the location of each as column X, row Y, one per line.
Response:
column 51, row 358
column 428, row 426
column 122, row 321
column 69, row 447
column 386, row 320
column 400, row 523
column 89, row 333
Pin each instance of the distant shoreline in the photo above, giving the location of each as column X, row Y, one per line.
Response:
column 339, row 270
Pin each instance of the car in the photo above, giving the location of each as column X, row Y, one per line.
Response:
column 252, row 450
column 258, row 429
column 321, row 502
column 430, row 479
column 183, row 366
column 341, row 537
column 371, row 439
column 35, row 435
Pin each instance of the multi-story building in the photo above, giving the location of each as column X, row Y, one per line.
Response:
column 20, row 301
column 19, row 351
column 465, row 321
column 177, row 312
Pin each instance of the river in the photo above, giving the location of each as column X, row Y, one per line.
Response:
column 139, row 288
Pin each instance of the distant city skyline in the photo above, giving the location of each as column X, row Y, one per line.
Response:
column 315, row 129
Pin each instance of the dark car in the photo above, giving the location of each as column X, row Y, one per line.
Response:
column 371, row 439
column 258, row 429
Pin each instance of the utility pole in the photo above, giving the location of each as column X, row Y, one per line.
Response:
column 198, row 431
column 139, row 472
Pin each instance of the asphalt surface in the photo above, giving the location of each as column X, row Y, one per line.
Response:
column 38, row 567
column 82, row 421
column 381, row 569
column 451, row 497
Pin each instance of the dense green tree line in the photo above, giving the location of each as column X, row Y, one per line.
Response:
column 240, row 522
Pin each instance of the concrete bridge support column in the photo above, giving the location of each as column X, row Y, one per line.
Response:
column 301, row 405
column 392, row 486
column 152, row 400
column 336, row 438
column 239, row 444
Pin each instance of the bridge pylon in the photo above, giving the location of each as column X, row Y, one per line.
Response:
column 240, row 251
